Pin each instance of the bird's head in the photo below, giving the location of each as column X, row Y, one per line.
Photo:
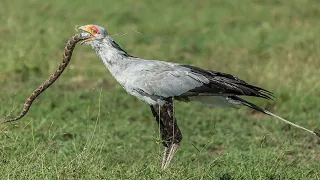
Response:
column 96, row 32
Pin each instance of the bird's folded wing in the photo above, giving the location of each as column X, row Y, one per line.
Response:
column 164, row 79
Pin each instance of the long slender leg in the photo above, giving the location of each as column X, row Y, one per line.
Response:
column 174, row 132
column 163, row 133
column 170, row 133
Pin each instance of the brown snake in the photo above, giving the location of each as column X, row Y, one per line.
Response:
column 62, row 66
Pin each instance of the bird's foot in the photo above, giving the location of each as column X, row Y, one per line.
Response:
column 168, row 155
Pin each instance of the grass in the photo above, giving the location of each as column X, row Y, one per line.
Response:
column 86, row 127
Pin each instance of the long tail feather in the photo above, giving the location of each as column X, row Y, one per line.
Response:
column 246, row 103
column 291, row 123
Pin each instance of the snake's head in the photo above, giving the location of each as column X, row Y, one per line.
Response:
column 96, row 32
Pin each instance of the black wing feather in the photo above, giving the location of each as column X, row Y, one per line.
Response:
column 223, row 83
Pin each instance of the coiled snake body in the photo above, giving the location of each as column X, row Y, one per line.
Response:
column 63, row 64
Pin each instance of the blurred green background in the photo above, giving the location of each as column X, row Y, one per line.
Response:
column 86, row 127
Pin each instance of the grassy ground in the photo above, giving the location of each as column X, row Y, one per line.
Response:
column 86, row 127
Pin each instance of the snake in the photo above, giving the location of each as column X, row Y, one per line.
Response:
column 66, row 57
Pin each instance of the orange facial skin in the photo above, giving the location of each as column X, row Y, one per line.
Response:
column 93, row 30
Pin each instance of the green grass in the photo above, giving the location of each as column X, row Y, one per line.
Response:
column 86, row 127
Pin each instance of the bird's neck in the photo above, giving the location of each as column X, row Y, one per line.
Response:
column 113, row 57
column 110, row 52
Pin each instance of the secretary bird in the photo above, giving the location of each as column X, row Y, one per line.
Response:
column 158, row 83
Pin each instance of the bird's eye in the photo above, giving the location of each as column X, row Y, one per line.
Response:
column 93, row 31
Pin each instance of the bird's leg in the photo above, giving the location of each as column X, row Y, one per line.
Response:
column 170, row 133
column 163, row 133
column 174, row 131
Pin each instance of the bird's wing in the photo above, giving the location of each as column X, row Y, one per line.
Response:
column 166, row 79
column 163, row 79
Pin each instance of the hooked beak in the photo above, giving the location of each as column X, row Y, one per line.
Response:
column 85, row 29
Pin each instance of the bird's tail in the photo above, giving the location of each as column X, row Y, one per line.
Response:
column 237, row 99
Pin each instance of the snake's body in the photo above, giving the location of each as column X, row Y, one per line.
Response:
column 62, row 66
